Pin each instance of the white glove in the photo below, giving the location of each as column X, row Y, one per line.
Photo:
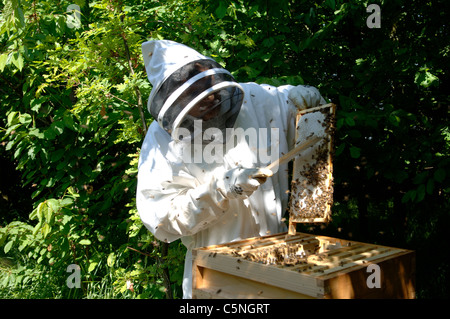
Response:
column 305, row 96
column 241, row 182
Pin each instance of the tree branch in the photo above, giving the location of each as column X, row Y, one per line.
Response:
column 136, row 89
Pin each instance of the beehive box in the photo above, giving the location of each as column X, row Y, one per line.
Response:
column 302, row 266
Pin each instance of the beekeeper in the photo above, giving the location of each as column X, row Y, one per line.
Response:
column 201, row 175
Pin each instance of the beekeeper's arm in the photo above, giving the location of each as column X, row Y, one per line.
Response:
column 174, row 204
column 305, row 96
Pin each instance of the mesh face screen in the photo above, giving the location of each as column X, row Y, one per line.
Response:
column 201, row 90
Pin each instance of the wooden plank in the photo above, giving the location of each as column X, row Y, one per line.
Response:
column 258, row 242
column 259, row 272
column 397, row 280
column 358, row 261
column 317, row 108
column 216, row 284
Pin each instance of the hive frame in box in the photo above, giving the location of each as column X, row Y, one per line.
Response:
column 330, row 268
column 311, row 195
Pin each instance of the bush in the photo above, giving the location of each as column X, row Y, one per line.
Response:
column 73, row 118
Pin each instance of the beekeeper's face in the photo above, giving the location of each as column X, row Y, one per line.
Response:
column 209, row 107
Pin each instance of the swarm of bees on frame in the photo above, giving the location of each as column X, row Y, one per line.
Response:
column 312, row 181
column 283, row 254
column 312, row 257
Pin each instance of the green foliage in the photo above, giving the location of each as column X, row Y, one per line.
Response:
column 73, row 118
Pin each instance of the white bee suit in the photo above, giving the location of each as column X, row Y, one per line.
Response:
column 177, row 193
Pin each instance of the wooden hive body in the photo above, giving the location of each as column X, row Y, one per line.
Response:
column 326, row 267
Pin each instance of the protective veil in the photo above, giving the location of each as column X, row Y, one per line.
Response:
column 190, row 87
column 180, row 189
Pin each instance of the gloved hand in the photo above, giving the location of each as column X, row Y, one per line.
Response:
column 305, row 96
column 241, row 182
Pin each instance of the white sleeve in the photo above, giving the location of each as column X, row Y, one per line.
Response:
column 170, row 201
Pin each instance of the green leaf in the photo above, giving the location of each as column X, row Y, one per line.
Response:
column 439, row 175
column 3, row 59
column 8, row 246
column 17, row 60
column 36, row 132
column 331, row 4
column 41, row 210
column 221, row 11
column 92, row 266
column 340, row 149
column 46, row 229
column 33, row 215
column 425, row 78
column 50, row 134
column 13, row 118
column 355, row 152
column 69, row 122
column 24, row 243
column 25, row 118
column 85, row 242
column 420, row 193
column 86, row 170
column 111, row 259
column 37, row 227
column 53, row 204
column 35, row 104
column 394, row 119
column 350, row 121
column 66, row 202
column 409, row 196
column 57, row 155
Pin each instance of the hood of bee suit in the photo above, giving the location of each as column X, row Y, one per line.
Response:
column 192, row 94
